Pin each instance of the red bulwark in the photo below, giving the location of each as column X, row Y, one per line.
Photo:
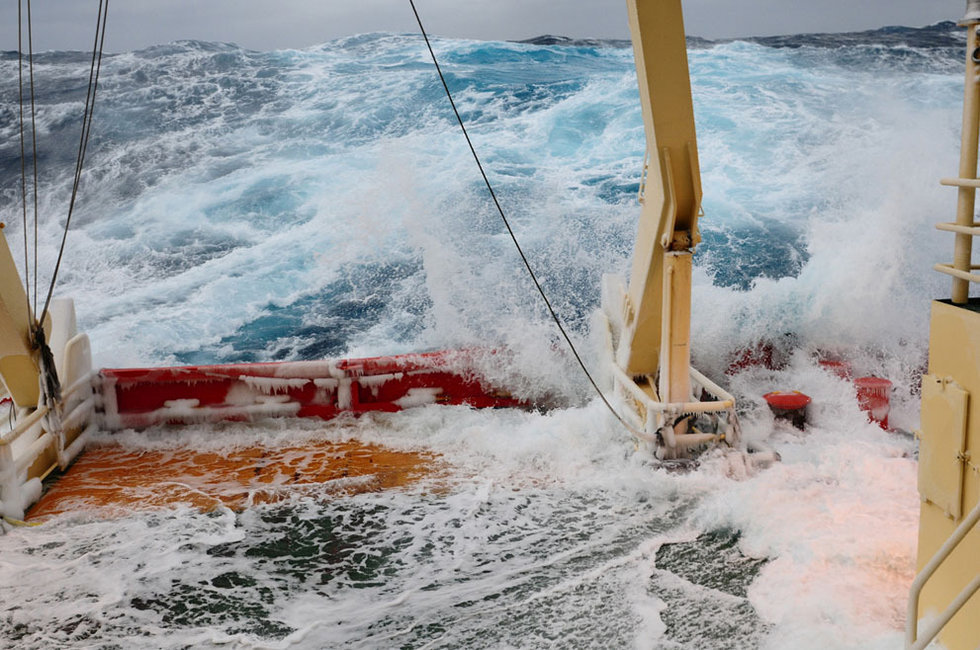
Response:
column 140, row 397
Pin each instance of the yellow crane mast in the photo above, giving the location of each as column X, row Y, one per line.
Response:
column 650, row 319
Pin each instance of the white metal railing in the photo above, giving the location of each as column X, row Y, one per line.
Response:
column 912, row 640
column 23, row 426
column 16, row 456
column 658, row 412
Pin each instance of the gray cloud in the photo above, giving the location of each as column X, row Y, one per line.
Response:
column 260, row 24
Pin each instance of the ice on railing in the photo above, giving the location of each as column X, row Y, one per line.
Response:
column 375, row 382
column 16, row 497
column 273, row 385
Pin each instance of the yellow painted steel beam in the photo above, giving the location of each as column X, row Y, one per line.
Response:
column 18, row 365
column 966, row 196
column 944, row 599
column 658, row 302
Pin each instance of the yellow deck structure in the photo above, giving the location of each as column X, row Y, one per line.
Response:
column 949, row 471
column 944, row 599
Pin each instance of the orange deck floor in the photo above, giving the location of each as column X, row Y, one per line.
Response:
column 117, row 480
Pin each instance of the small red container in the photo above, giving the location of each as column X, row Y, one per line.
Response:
column 788, row 405
column 874, row 396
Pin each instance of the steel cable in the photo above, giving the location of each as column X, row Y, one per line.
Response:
column 527, row 265
column 93, row 84
column 23, row 158
column 30, row 69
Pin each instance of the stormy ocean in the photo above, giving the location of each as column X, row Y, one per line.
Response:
column 239, row 205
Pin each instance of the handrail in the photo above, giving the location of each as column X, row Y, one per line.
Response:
column 912, row 614
column 81, row 382
column 653, row 408
column 960, row 182
column 949, row 226
column 711, row 386
column 956, row 273
column 24, row 425
column 673, row 407
column 954, row 607
column 79, row 415
column 25, row 460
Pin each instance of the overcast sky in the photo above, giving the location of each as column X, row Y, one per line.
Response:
column 269, row 24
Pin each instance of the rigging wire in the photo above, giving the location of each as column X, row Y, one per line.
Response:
column 30, row 69
column 513, row 237
column 93, row 84
column 23, row 156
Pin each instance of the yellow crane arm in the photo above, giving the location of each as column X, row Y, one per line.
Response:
column 650, row 320
column 658, row 304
